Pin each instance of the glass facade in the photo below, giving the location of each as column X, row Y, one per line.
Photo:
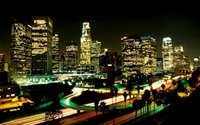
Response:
column 70, row 57
column 2, row 61
column 95, row 51
column 148, row 45
column 42, row 32
column 55, row 53
column 20, row 51
column 167, row 54
column 132, row 60
column 85, row 44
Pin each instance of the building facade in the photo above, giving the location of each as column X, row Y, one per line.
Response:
column 55, row 53
column 167, row 54
column 148, row 45
column 132, row 60
column 2, row 61
column 20, row 51
column 95, row 51
column 42, row 32
column 85, row 44
column 69, row 58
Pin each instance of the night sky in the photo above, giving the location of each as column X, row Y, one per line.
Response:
column 110, row 26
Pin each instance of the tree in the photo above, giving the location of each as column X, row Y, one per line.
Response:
column 103, row 107
column 125, row 95
column 146, row 97
column 163, row 87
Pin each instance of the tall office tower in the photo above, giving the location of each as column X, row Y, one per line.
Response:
column 55, row 53
column 95, row 51
column 159, row 68
column 178, row 61
column 70, row 57
column 109, row 59
column 85, row 44
column 148, row 45
column 195, row 63
column 186, row 65
column 42, row 32
column 2, row 61
column 178, row 55
column 131, row 55
column 167, row 54
column 20, row 51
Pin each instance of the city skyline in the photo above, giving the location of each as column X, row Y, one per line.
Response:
column 182, row 28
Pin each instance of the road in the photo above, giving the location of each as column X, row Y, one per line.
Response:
column 39, row 118
column 123, row 119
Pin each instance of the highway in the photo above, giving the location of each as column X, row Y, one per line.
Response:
column 123, row 119
column 39, row 118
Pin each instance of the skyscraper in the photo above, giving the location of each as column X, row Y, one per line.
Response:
column 85, row 44
column 2, row 61
column 20, row 51
column 167, row 54
column 55, row 53
column 148, row 45
column 42, row 32
column 95, row 51
column 131, row 55
column 70, row 57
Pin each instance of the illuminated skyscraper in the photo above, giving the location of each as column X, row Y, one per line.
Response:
column 42, row 32
column 2, row 61
column 178, row 60
column 85, row 44
column 131, row 55
column 167, row 54
column 55, row 53
column 70, row 57
column 148, row 45
column 196, row 63
column 20, row 51
column 95, row 51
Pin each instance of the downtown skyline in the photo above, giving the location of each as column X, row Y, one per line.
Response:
column 182, row 28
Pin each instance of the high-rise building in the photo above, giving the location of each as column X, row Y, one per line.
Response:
column 178, row 61
column 95, row 51
column 42, row 32
column 55, row 53
column 167, row 54
column 148, row 45
column 85, row 44
column 178, row 55
column 2, row 61
column 159, row 68
column 20, row 51
column 109, row 59
column 196, row 63
column 69, row 58
column 132, row 60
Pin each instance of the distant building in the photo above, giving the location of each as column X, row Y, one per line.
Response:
column 159, row 68
column 167, row 54
column 20, row 52
column 42, row 32
column 8, row 91
column 132, row 60
column 108, row 60
column 2, row 61
column 85, row 44
column 69, row 57
column 95, row 51
column 55, row 53
column 148, row 45
column 196, row 63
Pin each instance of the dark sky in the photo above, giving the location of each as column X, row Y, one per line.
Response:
column 183, row 27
